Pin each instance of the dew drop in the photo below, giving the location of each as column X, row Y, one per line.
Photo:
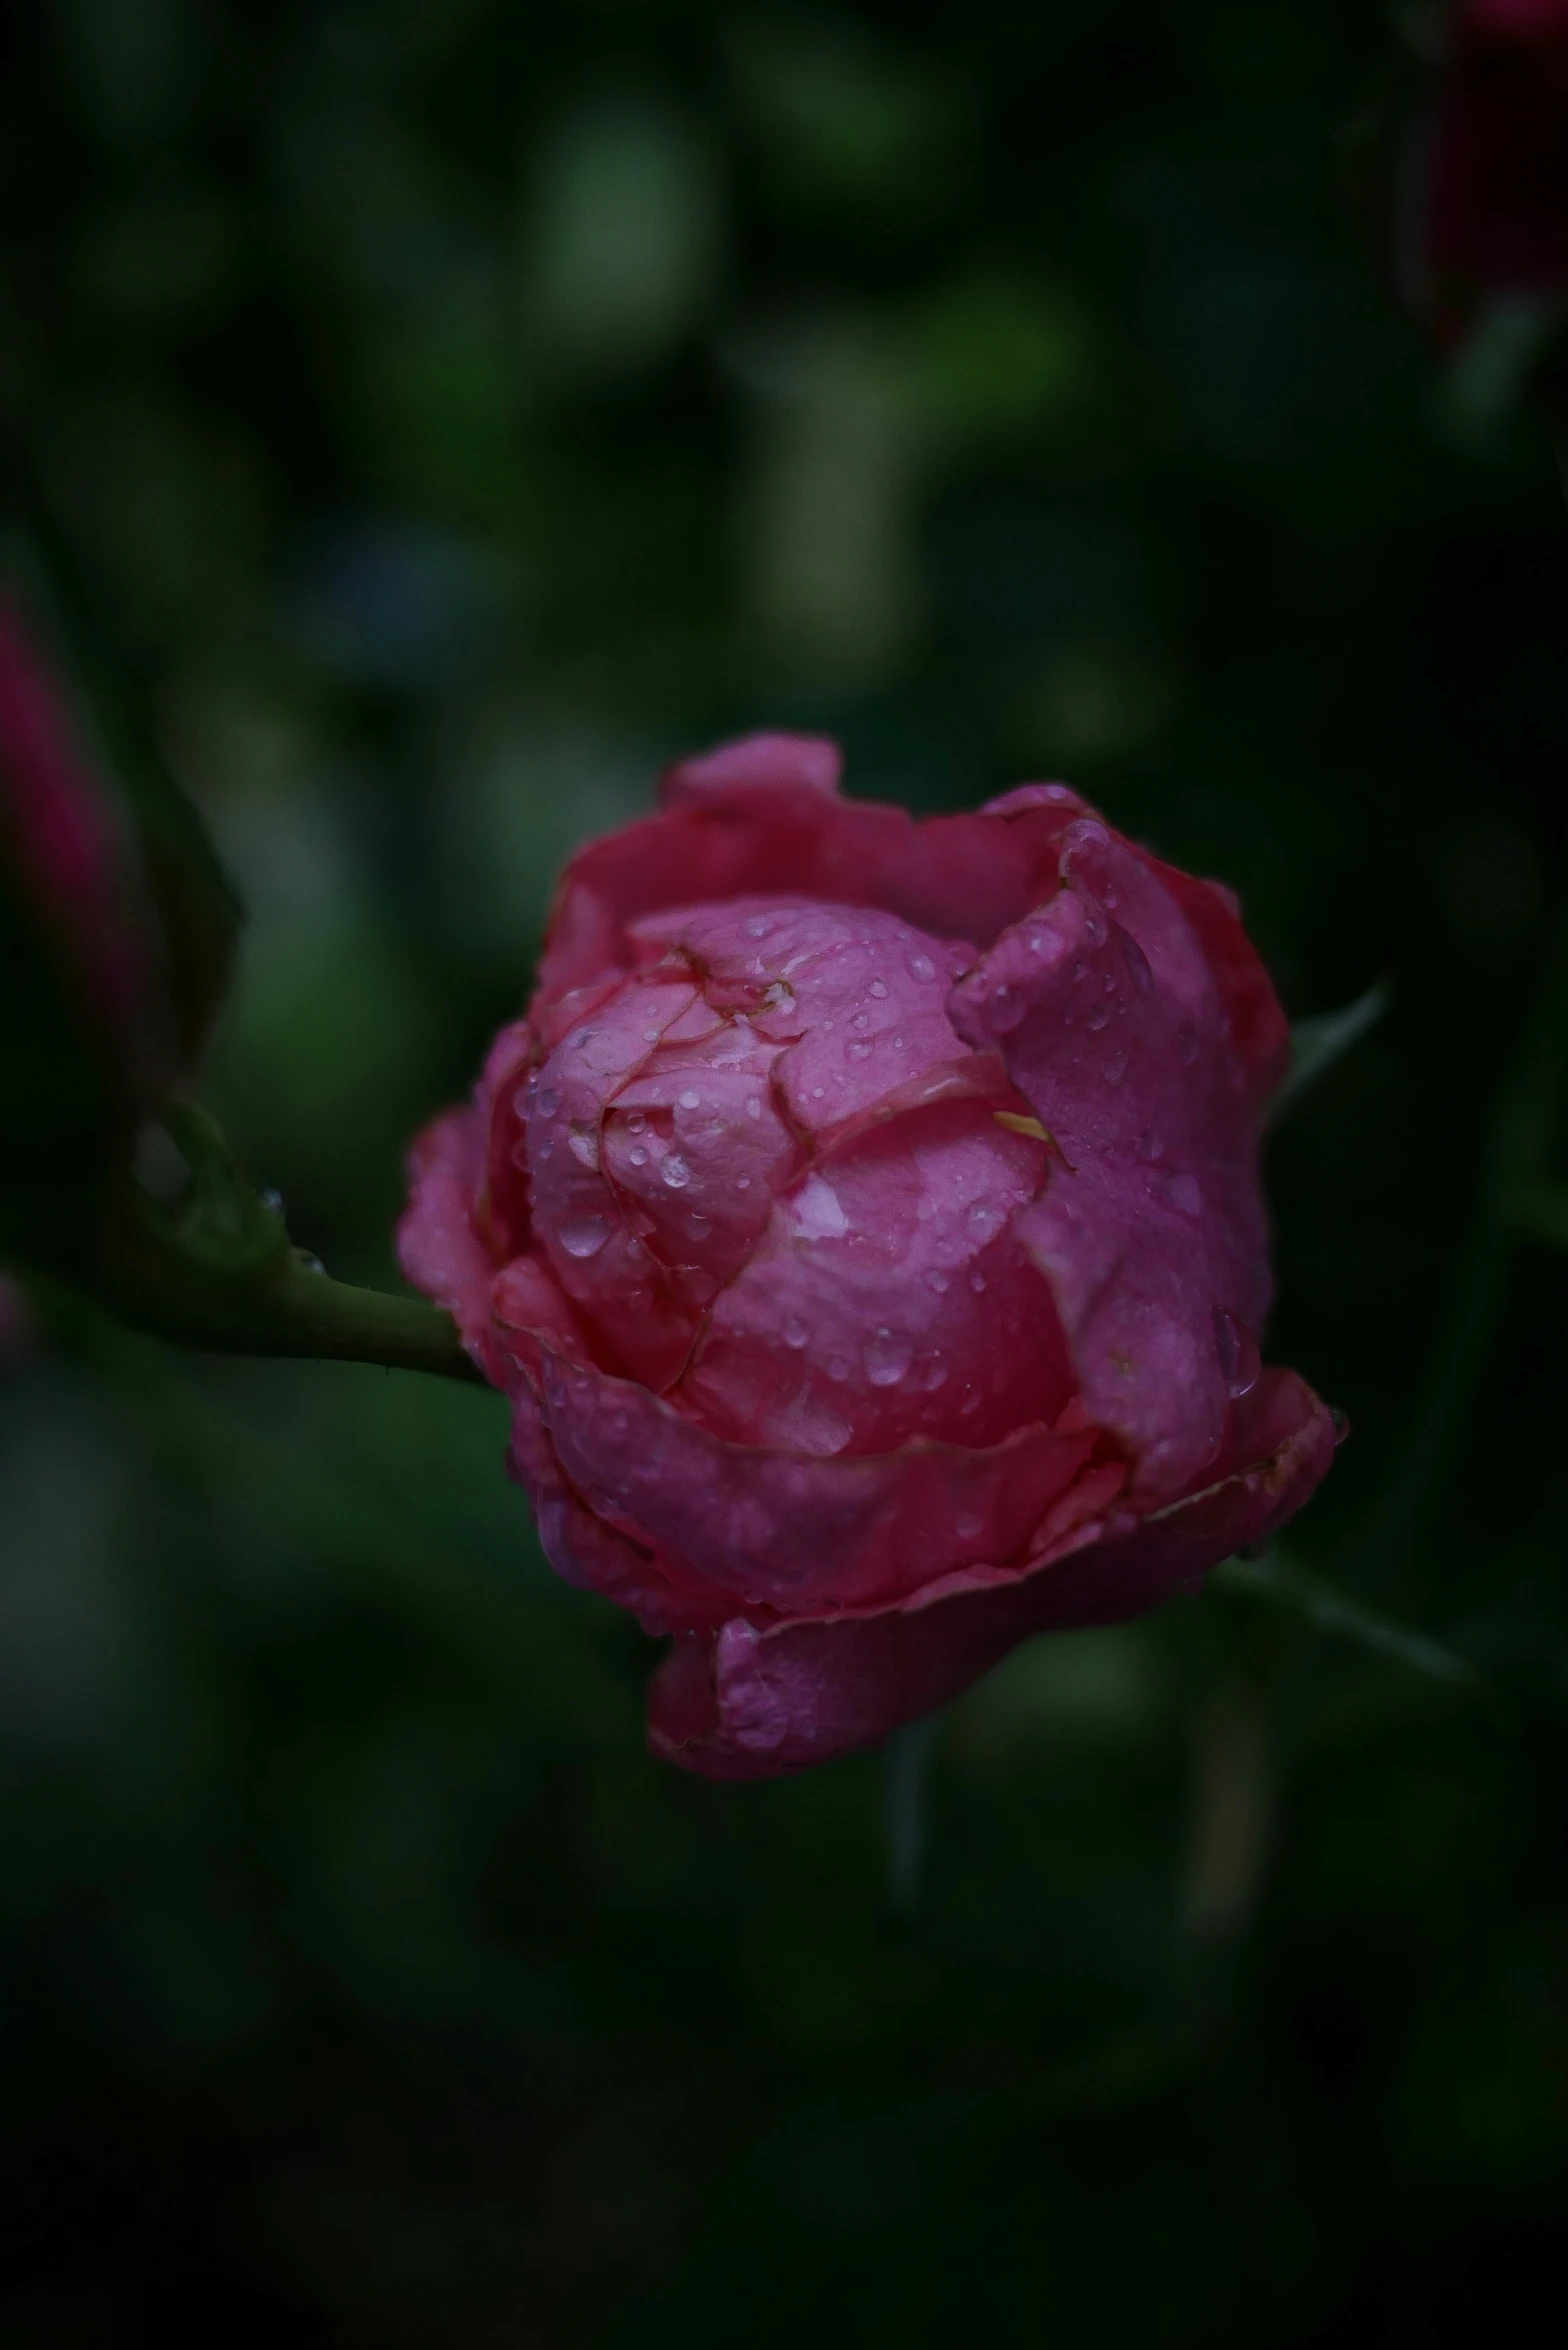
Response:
column 688, row 1100
column 638, row 1155
column 637, row 1123
column 818, row 1092
column 1137, row 963
column 921, row 967
column 838, row 1367
column 1181, row 1190
column 650, row 1036
column 983, row 1220
column 887, row 1355
column 796, row 1332
column 699, row 1226
column 1116, row 1068
column 862, row 1021
column 1038, row 942
column 549, row 1102
column 977, row 1282
column 936, row 1279
column 1098, row 1016
column 584, row 1236
column 934, row 1375
column 878, row 987
column 758, row 926
column 860, row 1051
column 743, row 1183
column 675, row 1172
column 753, row 1107
column 585, row 1150
column 1238, row 1353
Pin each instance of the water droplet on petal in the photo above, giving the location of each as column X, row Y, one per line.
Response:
column 699, row 1226
column 549, row 1102
column 584, row 1236
column 637, row 1123
column 818, row 1092
column 1098, row 1016
column 1116, row 1068
column 675, row 1172
column 585, row 1149
column 796, row 1333
column 1038, row 942
column 838, row 1367
column 921, row 967
column 860, row 1051
column 933, row 1375
column 1137, row 963
column 758, row 926
column 878, row 987
column 936, row 1279
column 743, row 1183
column 984, row 1219
column 887, row 1354
column 638, row 1155
column 977, row 1281
column 688, row 1099
column 1240, row 1365
column 753, row 1107
column 1181, row 1190
column 650, row 1036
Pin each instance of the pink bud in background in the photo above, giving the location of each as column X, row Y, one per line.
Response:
column 1484, row 212
column 865, row 1225
column 64, row 839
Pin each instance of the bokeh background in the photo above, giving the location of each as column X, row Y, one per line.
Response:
column 458, row 408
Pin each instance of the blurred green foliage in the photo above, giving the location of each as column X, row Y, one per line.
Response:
column 453, row 409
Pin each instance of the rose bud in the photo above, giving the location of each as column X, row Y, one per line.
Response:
column 116, row 931
column 865, row 1225
column 68, row 852
column 1484, row 211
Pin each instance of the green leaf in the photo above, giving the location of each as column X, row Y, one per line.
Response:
column 1317, row 1044
column 1284, row 1585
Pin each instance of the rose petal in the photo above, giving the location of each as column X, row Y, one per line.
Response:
column 754, row 1700
column 1112, row 1026
column 889, row 1300
column 742, row 1526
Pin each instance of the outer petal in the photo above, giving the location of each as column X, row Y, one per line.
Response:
column 757, row 827
column 754, row 1701
column 1111, row 1023
column 438, row 1246
column 739, row 1527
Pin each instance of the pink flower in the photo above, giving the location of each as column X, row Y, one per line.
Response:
column 65, row 841
column 864, row 1223
column 1486, row 197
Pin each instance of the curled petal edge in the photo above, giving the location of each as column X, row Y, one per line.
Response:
column 754, row 1703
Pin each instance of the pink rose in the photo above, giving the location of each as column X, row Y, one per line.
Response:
column 1486, row 173
column 865, row 1225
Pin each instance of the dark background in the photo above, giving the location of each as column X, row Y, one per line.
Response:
column 458, row 408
